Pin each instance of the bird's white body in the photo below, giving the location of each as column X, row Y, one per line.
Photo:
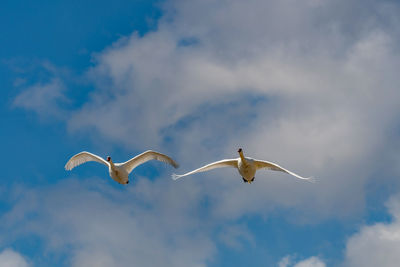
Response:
column 119, row 172
column 247, row 167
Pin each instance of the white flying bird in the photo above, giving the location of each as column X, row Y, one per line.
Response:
column 247, row 167
column 119, row 171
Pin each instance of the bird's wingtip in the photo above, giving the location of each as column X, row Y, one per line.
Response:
column 312, row 179
column 175, row 176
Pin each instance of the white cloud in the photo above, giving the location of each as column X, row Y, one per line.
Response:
column 285, row 261
column 377, row 244
column 309, row 262
column 10, row 258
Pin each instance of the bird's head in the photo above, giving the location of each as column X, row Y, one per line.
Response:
column 108, row 158
column 240, row 150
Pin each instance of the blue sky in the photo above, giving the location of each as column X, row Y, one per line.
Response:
column 312, row 86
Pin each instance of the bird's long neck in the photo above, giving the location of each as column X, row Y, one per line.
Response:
column 112, row 166
column 242, row 157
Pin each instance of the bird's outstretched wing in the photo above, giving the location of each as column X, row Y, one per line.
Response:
column 214, row 165
column 83, row 157
column 146, row 156
column 261, row 164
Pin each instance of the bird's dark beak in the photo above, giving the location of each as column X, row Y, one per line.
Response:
column 240, row 150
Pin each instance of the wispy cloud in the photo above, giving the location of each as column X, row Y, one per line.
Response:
column 236, row 236
column 44, row 99
column 45, row 92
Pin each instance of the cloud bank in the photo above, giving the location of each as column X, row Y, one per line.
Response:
column 95, row 225
column 308, row 85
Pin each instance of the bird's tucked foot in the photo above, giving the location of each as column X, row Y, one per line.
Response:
column 253, row 179
column 244, row 180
